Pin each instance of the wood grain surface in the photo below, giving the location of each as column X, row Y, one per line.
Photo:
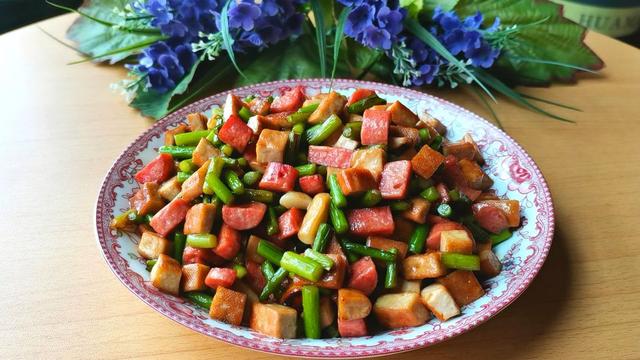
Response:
column 61, row 127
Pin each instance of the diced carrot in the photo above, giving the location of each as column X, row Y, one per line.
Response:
column 170, row 216
column 279, row 177
column 157, row 170
column 364, row 276
column 355, row 181
column 228, row 242
column 375, row 127
column 394, row 182
column 371, row 221
column 224, row 277
column 235, row 133
column 312, row 184
column 426, row 162
column 360, row 94
column 330, row 156
column 290, row 100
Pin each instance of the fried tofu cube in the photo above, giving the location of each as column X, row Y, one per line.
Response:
column 332, row 103
column 170, row 189
column 418, row 210
column 232, row 105
column 151, row 245
column 327, row 312
column 490, row 265
column 423, row 266
column 197, row 121
column 200, row 219
column 438, row 300
column 426, row 162
column 274, row 320
column 382, row 243
column 401, row 115
column 147, row 199
column 463, row 286
column 410, row 286
column 456, row 241
column 228, row 306
column 203, row 152
column 271, row 145
column 353, row 304
column 166, row 274
column 475, row 176
column 371, row 159
column 169, row 134
column 355, row 181
column 400, row 310
column 193, row 276
column 252, row 250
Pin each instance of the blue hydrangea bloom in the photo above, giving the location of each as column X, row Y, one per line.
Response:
column 243, row 15
column 165, row 64
column 376, row 24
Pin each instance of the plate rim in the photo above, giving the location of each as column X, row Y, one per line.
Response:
column 414, row 343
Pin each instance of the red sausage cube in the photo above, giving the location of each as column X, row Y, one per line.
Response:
column 360, row 94
column 289, row 223
column 279, row 177
column 170, row 216
column 375, row 127
column 235, row 133
column 228, row 242
column 352, row 328
column 255, row 277
column 371, row 221
column 224, row 277
column 433, row 240
column 158, row 170
column 289, row 100
column 491, row 218
column 364, row 276
column 207, row 257
column 330, row 156
column 312, row 184
column 243, row 216
column 394, row 182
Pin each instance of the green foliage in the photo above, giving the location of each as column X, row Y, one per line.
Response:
column 538, row 53
column 226, row 36
column 319, row 24
column 337, row 42
column 98, row 37
column 153, row 104
column 446, row 5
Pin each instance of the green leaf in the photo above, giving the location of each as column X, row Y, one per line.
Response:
column 226, row 36
column 127, row 49
column 551, row 42
column 318, row 15
column 95, row 38
column 153, row 104
column 337, row 42
column 430, row 5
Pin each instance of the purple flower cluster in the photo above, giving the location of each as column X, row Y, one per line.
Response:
column 375, row 24
column 252, row 24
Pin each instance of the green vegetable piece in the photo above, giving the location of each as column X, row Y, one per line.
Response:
column 425, row 136
column 187, row 166
column 269, row 251
column 199, row 298
column 133, row 216
column 322, row 259
column 361, row 105
column 500, row 237
column 301, row 266
column 203, row 241
column 179, row 242
column 321, row 132
column 418, row 238
column 437, row 142
column 306, row 169
column 369, row 251
column 323, row 236
column 309, row 108
column 190, row 138
column 338, row 219
column 392, row 272
column 444, row 210
column 182, row 176
column 351, row 256
column 454, row 195
column 273, row 283
column 311, row 311
column 267, row 270
column 214, row 183
column 479, row 234
column 151, row 263
column 178, row 152
column 352, row 130
column 241, row 271
column 430, row 194
column 251, row 178
column 298, row 129
column 263, row 196
column 460, row 261
column 321, row 169
column 226, row 150
column 233, row 181
column 399, row 205
column 272, row 222
column 371, row 198
column 245, row 113
column 337, row 197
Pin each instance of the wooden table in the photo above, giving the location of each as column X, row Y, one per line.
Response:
column 62, row 127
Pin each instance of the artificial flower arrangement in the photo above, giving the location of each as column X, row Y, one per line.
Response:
column 177, row 51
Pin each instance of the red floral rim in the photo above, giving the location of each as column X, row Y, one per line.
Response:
column 174, row 308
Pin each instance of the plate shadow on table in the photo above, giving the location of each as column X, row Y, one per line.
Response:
column 513, row 332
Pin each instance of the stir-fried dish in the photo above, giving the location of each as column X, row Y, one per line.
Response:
column 318, row 216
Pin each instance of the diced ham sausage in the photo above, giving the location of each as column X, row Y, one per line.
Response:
column 330, row 156
column 371, row 221
column 255, row 277
column 279, row 177
column 360, row 94
column 170, row 216
column 394, row 182
column 193, row 255
column 433, row 240
column 243, row 216
column 491, row 218
column 235, row 133
column 352, row 328
column 290, row 100
column 289, row 223
column 224, row 277
column 312, row 184
column 375, row 127
column 364, row 276
column 158, row 170
column 228, row 242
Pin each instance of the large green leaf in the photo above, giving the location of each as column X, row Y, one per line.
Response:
column 153, row 104
column 554, row 38
column 95, row 39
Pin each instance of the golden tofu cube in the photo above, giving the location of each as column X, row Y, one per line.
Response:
column 410, row 286
column 371, row 159
column 490, row 265
column 193, row 276
column 170, row 189
column 271, row 145
column 463, row 286
column 423, row 266
column 438, row 300
column 203, row 152
column 166, row 274
column 456, row 241
column 151, row 245
column 274, row 320
column 228, row 306
column 400, row 310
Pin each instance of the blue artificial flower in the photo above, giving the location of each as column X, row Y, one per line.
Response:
column 165, row 64
column 376, row 38
column 482, row 56
column 390, row 20
column 243, row 15
column 359, row 19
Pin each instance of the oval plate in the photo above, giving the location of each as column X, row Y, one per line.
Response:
column 515, row 174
